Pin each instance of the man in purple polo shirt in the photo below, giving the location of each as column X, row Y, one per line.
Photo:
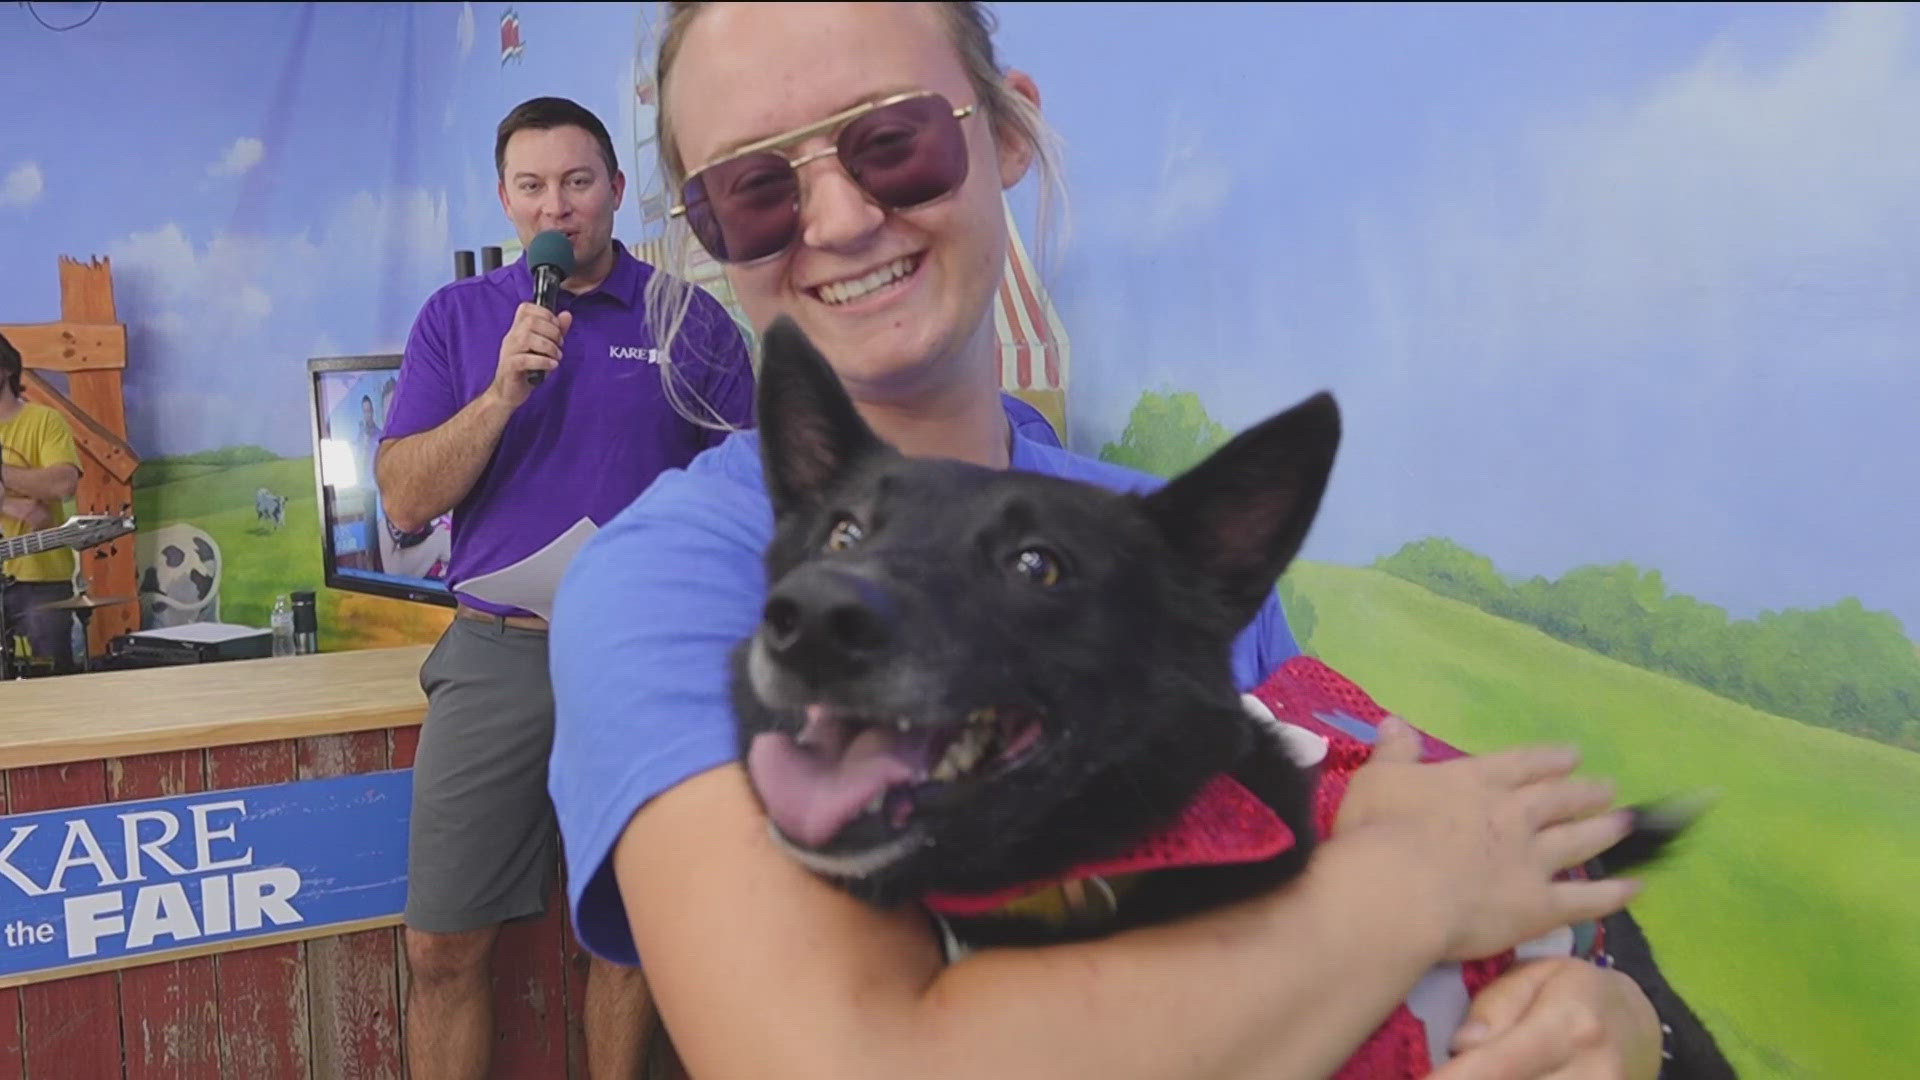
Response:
column 518, row 464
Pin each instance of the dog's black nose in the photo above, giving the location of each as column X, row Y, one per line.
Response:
column 827, row 624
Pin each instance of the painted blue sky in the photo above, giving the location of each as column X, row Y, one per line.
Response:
column 265, row 178
column 1592, row 282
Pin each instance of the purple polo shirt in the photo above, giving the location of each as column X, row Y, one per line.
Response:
column 591, row 437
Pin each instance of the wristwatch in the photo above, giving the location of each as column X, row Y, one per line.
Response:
column 404, row 540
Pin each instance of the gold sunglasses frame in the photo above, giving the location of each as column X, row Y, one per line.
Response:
column 838, row 119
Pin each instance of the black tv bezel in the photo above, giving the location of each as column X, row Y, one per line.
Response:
column 316, row 367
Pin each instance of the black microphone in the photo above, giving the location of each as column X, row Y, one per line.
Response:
column 550, row 256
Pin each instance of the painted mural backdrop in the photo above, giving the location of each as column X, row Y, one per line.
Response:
column 270, row 182
column 1620, row 303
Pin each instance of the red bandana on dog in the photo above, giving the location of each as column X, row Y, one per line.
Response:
column 1227, row 824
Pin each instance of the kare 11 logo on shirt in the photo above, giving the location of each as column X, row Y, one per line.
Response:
column 633, row 352
column 107, row 885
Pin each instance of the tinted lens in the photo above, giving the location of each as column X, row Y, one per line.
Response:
column 908, row 153
column 904, row 154
column 746, row 208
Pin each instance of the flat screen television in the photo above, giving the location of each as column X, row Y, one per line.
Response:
column 360, row 550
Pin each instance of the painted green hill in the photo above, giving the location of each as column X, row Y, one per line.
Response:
column 262, row 562
column 1788, row 918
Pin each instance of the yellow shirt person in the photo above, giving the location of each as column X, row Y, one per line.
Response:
column 39, row 471
column 35, row 439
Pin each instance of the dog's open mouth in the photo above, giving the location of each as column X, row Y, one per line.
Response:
column 842, row 767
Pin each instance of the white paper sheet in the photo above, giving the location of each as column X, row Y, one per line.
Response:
column 531, row 583
column 205, row 632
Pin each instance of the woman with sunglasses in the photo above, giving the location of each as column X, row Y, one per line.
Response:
column 846, row 163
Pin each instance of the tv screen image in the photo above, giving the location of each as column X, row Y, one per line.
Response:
column 360, row 549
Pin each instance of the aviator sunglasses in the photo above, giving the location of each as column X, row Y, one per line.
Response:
column 903, row 151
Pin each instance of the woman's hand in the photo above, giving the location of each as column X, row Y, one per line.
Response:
column 1558, row 1019
column 1483, row 837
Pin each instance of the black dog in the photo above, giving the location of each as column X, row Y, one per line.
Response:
column 967, row 679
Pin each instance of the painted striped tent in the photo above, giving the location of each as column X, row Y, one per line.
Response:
column 1033, row 344
column 1034, row 350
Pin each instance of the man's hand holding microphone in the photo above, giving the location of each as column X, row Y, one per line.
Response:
column 532, row 345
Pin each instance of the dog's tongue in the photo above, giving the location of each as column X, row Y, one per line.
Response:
column 813, row 785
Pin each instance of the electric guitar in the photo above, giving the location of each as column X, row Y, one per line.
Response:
column 79, row 533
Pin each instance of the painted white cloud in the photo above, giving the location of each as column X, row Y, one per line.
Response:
column 1187, row 192
column 23, row 185
column 464, row 30
column 221, row 327
column 241, row 157
column 1673, row 326
column 1194, row 184
column 164, row 257
column 1685, row 216
column 412, row 227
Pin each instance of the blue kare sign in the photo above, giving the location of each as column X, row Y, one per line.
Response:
column 123, row 880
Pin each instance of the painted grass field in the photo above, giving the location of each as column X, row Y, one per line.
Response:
column 1790, row 917
column 261, row 562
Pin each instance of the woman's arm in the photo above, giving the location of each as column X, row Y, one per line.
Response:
column 760, row 969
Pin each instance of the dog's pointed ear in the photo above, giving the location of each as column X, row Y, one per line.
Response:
column 810, row 434
column 1240, row 516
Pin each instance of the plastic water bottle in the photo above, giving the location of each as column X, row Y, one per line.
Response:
column 282, row 626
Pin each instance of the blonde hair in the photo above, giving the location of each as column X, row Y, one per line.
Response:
column 971, row 26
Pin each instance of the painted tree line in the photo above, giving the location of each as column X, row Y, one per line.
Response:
column 1842, row 666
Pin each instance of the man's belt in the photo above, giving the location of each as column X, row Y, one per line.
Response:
column 523, row 622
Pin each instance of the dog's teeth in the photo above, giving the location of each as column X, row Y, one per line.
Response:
column 902, row 724
column 966, row 752
column 874, row 804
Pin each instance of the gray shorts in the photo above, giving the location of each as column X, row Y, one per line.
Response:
column 482, row 844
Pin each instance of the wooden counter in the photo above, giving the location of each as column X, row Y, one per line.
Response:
column 114, row 714
column 316, row 1008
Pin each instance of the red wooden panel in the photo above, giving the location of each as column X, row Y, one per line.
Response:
column 575, row 957
column 402, row 746
column 72, row 1022
column 530, row 999
column 13, row 1062
column 169, row 1022
column 351, row 980
column 404, row 741
column 263, row 990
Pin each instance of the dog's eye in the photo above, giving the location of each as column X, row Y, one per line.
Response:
column 846, row 533
column 1039, row 566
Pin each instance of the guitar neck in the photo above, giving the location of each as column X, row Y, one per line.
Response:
column 35, row 543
